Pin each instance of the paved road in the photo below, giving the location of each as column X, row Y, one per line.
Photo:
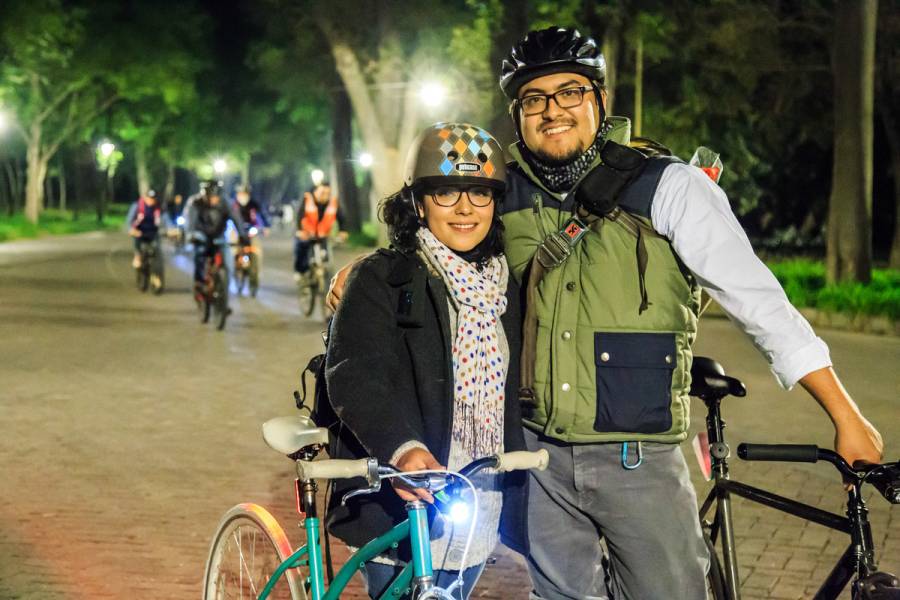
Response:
column 128, row 428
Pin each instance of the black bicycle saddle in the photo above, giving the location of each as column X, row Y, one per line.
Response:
column 708, row 380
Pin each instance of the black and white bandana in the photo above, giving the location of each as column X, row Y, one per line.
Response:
column 561, row 178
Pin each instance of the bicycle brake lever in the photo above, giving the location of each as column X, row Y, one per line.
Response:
column 362, row 492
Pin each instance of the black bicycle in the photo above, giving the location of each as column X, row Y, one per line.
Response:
column 858, row 563
column 149, row 273
column 212, row 294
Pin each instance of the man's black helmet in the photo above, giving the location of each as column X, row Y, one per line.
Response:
column 551, row 50
column 211, row 187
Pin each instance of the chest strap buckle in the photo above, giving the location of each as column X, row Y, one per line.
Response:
column 557, row 247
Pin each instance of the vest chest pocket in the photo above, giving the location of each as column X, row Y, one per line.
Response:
column 634, row 381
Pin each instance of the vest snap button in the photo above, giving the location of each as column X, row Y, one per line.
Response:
column 560, row 430
column 668, row 359
column 566, row 387
column 570, row 286
column 605, row 357
column 567, row 335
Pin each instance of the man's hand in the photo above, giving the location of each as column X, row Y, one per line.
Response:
column 855, row 439
column 417, row 459
column 858, row 441
column 302, row 236
column 134, row 232
column 342, row 236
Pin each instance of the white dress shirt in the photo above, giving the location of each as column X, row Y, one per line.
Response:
column 693, row 213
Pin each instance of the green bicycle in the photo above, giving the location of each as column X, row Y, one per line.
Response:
column 251, row 557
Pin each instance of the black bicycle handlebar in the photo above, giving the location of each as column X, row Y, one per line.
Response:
column 780, row 452
column 885, row 477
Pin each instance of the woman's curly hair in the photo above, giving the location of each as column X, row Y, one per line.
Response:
column 399, row 213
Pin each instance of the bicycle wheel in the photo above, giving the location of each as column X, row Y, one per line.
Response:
column 312, row 291
column 715, row 579
column 248, row 546
column 220, row 298
column 253, row 269
column 158, row 277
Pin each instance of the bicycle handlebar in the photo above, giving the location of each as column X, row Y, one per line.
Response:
column 885, row 477
column 334, row 468
column 780, row 452
column 521, row 460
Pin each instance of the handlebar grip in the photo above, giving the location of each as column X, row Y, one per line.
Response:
column 522, row 459
column 779, row 452
column 334, row 468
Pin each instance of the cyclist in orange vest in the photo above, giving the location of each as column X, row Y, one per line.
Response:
column 319, row 213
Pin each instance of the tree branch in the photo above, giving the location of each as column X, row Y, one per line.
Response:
column 54, row 104
column 73, row 125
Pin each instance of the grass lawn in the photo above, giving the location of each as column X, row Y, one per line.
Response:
column 804, row 282
column 60, row 222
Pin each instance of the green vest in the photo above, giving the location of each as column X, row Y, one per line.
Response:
column 604, row 371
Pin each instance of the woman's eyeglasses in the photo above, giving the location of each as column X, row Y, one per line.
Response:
column 478, row 195
column 535, row 104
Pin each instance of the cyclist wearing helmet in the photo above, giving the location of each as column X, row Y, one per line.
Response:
column 207, row 220
column 144, row 220
column 422, row 362
column 613, row 310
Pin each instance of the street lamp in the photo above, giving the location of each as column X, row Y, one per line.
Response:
column 318, row 176
column 433, row 94
column 107, row 148
column 219, row 165
column 366, row 160
column 4, row 121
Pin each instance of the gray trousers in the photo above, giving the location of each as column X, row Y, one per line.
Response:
column 648, row 517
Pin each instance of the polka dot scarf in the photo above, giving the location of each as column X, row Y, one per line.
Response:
column 479, row 370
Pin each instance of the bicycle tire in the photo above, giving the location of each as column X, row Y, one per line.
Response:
column 254, row 275
column 312, row 294
column 715, row 578
column 159, row 271
column 267, row 547
column 220, row 298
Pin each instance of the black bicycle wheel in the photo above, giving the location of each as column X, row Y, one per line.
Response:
column 312, row 292
column 323, row 291
column 715, row 579
column 220, row 298
column 253, row 269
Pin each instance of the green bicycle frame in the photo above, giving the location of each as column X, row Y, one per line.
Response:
column 415, row 528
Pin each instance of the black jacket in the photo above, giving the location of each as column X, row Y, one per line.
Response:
column 389, row 363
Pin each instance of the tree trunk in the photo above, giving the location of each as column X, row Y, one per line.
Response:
column 37, row 170
column 611, row 44
column 341, row 149
column 140, row 163
column 13, row 184
column 62, row 183
column 169, row 188
column 48, row 192
column 849, row 255
column 638, row 86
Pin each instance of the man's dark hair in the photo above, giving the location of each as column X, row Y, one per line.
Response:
column 398, row 212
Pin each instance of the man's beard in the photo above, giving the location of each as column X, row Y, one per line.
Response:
column 559, row 160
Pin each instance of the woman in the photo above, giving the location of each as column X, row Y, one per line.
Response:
column 422, row 366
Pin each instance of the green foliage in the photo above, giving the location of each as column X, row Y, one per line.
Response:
column 805, row 285
column 59, row 222
column 366, row 237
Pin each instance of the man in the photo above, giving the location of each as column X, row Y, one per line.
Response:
column 144, row 222
column 614, row 321
column 320, row 212
column 207, row 220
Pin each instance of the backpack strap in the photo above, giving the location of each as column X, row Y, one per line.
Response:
column 638, row 197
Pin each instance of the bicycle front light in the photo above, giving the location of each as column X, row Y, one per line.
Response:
column 459, row 511
column 179, row 221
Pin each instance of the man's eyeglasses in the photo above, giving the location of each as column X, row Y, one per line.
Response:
column 535, row 104
column 448, row 196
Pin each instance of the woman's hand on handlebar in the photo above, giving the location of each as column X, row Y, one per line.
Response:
column 416, row 459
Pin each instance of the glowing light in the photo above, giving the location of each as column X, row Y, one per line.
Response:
column 366, row 160
column 107, row 148
column 318, row 176
column 180, row 220
column 253, row 231
column 219, row 165
column 459, row 512
column 4, row 121
column 433, row 94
